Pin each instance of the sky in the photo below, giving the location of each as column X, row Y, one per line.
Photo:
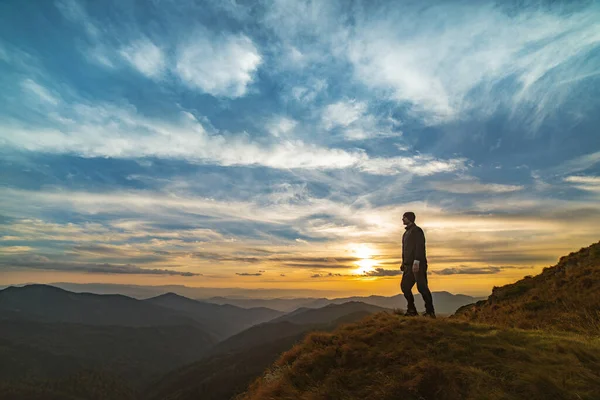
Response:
column 277, row 143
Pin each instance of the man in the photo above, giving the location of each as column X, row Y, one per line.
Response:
column 414, row 266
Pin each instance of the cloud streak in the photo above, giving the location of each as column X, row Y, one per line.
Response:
column 44, row 263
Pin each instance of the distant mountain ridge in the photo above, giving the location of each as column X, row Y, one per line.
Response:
column 46, row 303
column 222, row 320
column 445, row 302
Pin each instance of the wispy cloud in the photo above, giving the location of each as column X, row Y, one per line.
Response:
column 44, row 263
column 219, row 65
column 327, row 275
column 467, row 185
column 39, row 91
column 589, row 183
column 466, row 270
column 248, row 274
column 146, row 57
column 118, row 130
column 448, row 58
column 355, row 122
column 383, row 272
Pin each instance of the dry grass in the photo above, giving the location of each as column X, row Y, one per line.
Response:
column 391, row 357
column 565, row 297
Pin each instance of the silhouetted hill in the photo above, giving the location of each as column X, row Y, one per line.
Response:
column 84, row 385
column 50, row 333
column 563, row 297
column 223, row 320
column 235, row 362
column 50, row 304
column 284, row 305
column 327, row 314
column 386, row 356
column 54, row 350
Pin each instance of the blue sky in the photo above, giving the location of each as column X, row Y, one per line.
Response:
column 277, row 143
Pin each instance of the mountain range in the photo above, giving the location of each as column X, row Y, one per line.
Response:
column 534, row 338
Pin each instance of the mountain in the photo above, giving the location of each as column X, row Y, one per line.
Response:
column 136, row 354
column 327, row 314
column 45, row 303
column 387, row 356
column 445, row 303
column 285, row 305
column 144, row 292
column 83, row 385
column 50, row 333
column 222, row 320
column 563, row 297
column 232, row 364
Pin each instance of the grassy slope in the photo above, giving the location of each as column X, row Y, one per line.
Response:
column 564, row 297
column 387, row 356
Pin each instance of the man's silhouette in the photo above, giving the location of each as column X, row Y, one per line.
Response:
column 414, row 266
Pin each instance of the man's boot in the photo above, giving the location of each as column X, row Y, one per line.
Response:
column 429, row 314
column 411, row 312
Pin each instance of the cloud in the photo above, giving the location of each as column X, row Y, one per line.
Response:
column 579, row 163
column 352, row 118
column 587, row 183
column 146, row 57
column 383, row 272
column 39, row 91
column 343, row 113
column 281, row 126
column 118, row 130
column 467, row 185
column 219, row 65
column 44, row 263
column 329, row 275
column 451, row 60
column 466, row 270
column 422, row 165
column 438, row 58
column 248, row 274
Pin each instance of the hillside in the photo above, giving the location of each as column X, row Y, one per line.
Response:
column 232, row 364
column 563, row 297
column 386, row 356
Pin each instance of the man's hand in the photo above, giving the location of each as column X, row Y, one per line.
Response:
column 402, row 267
column 415, row 267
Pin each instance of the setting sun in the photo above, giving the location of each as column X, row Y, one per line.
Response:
column 364, row 265
column 365, row 253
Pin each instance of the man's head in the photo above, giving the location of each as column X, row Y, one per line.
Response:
column 408, row 218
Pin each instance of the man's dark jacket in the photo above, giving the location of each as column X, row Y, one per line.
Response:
column 413, row 247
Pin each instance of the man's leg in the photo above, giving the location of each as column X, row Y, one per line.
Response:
column 423, row 288
column 408, row 281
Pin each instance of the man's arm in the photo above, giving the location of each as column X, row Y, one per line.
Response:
column 419, row 250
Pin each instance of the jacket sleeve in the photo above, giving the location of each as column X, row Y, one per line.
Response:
column 420, row 245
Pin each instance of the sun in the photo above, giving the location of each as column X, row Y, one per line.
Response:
column 365, row 264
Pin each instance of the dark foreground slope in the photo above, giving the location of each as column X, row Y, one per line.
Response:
column 564, row 297
column 232, row 364
column 386, row 356
column 84, row 385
